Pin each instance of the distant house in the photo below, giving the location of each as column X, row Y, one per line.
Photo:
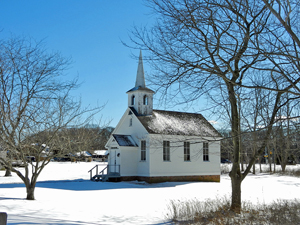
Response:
column 155, row 146
column 100, row 155
column 83, row 155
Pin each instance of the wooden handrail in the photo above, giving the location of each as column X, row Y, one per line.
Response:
column 93, row 168
column 91, row 171
column 102, row 172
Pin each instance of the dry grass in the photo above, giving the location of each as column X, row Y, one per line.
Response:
column 217, row 212
column 291, row 171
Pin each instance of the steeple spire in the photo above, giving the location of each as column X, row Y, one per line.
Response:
column 140, row 97
column 140, row 76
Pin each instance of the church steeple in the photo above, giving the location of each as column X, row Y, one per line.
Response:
column 140, row 97
column 140, row 76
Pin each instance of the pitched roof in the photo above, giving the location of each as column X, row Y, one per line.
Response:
column 140, row 77
column 140, row 83
column 124, row 140
column 177, row 123
column 100, row 152
column 83, row 153
column 140, row 89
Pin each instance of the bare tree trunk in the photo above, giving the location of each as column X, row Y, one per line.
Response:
column 269, row 159
column 240, row 145
column 242, row 162
column 283, row 161
column 283, row 166
column 8, row 169
column 7, row 172
column 274, row 154
column 260, row 169
column 274, row 160
column 254, row 155
column 30, row 184
column 246, row 160
column 235, row 173
column 236, row 182
column 30, row 192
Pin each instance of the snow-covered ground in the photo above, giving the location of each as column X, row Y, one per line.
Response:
column 65, row 195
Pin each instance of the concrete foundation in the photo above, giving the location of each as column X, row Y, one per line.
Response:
column 204, row 178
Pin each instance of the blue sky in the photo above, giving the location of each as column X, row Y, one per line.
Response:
column 90, row 32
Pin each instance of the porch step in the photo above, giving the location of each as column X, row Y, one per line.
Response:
column 105, row 174
column 106, row 177
column 96, row 178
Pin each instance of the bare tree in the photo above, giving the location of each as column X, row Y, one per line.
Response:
column 35, row 106
column 284, row 37
column 83, row 138
column 214, row 47
column 285, row 134
column 283, row 40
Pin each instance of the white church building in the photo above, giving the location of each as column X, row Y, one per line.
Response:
column 157, row 146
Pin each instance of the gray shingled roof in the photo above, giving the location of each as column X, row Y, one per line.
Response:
column 177, row 123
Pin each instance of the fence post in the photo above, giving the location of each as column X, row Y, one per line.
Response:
column 3, row 218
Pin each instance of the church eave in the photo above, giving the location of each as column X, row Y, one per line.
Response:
column 140, row 89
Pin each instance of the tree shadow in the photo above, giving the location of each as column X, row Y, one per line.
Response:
column 21, row 219
column 289, row 183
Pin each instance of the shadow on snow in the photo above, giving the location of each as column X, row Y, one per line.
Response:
column 87, row 185
column 19, row 219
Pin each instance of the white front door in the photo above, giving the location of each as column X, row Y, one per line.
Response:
column 114, row 163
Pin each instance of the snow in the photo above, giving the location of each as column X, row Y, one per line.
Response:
column 100, row 152
column 83, row 153
column 168, row 122
column 65, row 195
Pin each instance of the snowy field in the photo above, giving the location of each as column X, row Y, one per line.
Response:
column 65, row 195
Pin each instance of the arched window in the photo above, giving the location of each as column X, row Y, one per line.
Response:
column 132, row 100
column 145, row 100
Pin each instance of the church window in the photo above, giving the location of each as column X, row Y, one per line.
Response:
column 205, row 151
column 186, row 149
column 145, row 100
column 130, row 122
column 132, row 100
column 166, row 151
column 143, row 150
